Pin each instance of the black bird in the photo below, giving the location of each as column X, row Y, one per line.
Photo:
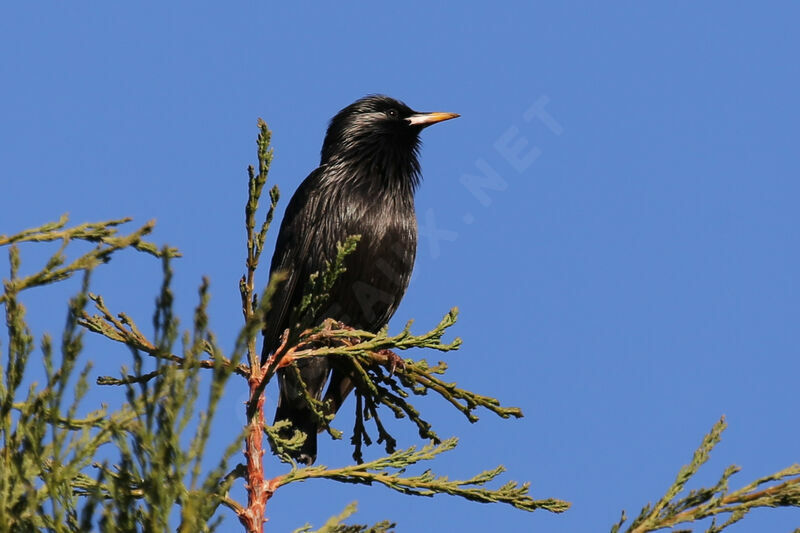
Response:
column 365, row 186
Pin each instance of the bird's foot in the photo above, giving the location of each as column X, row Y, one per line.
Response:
column 281, row 354
column 391, row 360
column 338, row 324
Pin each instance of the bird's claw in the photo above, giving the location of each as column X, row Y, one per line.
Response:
column 393, row 361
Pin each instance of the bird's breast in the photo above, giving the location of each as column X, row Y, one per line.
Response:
column 378, row 271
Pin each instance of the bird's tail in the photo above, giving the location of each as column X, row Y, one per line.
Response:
column 304, row 421
column 339, row 388
column 293, row 408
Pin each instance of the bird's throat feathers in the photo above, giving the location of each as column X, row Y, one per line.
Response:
column 372, row 160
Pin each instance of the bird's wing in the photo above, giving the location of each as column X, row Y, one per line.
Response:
column 291, row 250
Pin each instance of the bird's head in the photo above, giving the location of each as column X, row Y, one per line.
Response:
column 380, row 132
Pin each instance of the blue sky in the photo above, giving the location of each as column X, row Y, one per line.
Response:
column 631, row 276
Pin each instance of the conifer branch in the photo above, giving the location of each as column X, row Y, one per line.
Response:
column 103, row 232
column 382, row 378
column 334, row 524
column 781, row 489
column 57, row 268
column 122, row 328
column 48, row 442
column 156, row 467
column 253, row 517
column 96, row 419
column 387, row 471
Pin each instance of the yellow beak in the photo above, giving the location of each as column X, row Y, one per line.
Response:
column 426, row 119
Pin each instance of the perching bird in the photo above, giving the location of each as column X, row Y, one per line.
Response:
column 365, row 186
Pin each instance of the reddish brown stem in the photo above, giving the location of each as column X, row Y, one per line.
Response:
column 258, row 491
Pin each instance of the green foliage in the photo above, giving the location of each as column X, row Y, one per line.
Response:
column 334, row 524
column 144, row 465
column 155, row 470
column 381, row 378
column 320, row 283
column 390, row 471
column 781, row 489
column 47, row 453
column 52, row 474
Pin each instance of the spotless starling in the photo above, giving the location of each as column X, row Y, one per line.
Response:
column 364, row 185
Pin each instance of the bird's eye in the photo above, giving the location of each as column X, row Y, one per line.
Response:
column 392, row 113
